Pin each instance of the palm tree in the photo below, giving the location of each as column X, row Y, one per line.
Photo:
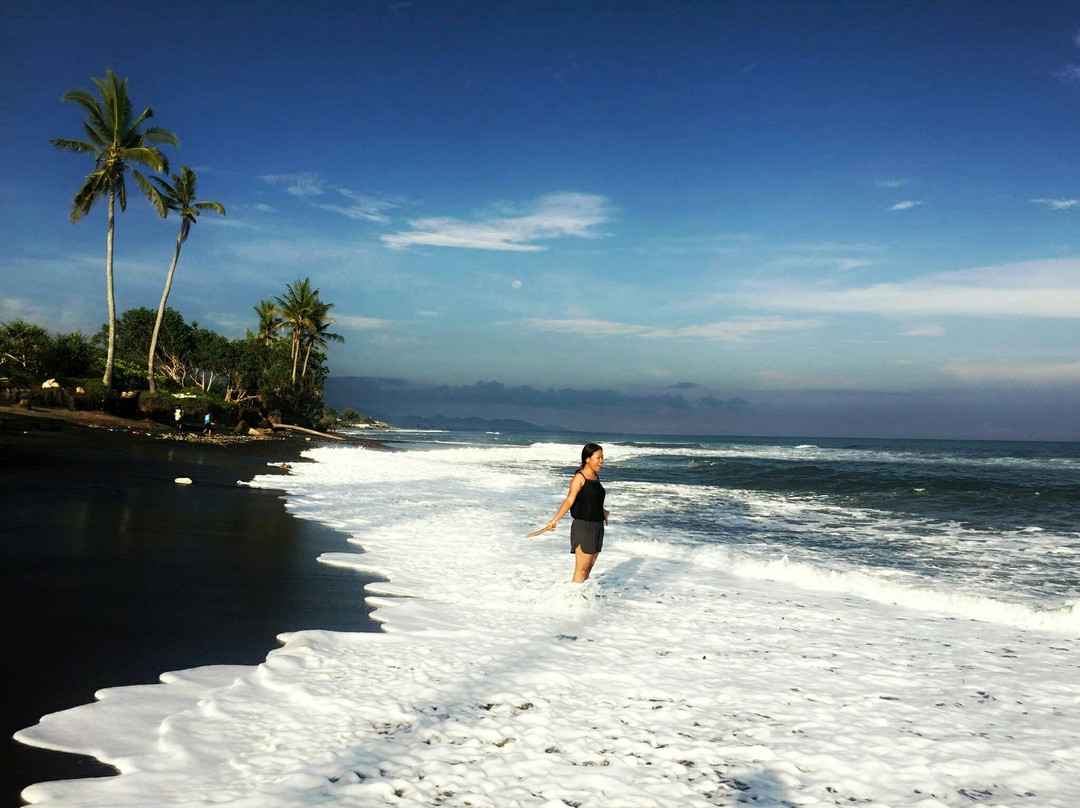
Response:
column 305, row 315
column 180, row 198
column 296, row 307
column 319, row 332
column 117, row 143
column 269, row 320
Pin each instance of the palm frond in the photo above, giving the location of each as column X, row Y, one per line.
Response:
column 147, row 156
column 118, row 105
column 121, row 192
column 167, row 192
column 63, row 144
column 94, row 135
column 151, row 193
column 217, row 207
column 88, row 102
column 146, row 113
column 188, row 179
column 108, row 103
column 159, row 134
column 90, row 192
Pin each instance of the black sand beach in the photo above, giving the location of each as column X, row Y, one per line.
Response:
column 112, row 573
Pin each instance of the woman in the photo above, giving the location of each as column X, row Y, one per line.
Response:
column 585, row 502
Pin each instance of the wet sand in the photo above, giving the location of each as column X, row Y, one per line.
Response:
column 111, row 573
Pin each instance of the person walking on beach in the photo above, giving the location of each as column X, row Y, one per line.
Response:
column 585, row 502
column 177, row 415
column 206, row 424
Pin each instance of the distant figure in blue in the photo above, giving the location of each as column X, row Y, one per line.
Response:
column 585, row 502
column 206, row 424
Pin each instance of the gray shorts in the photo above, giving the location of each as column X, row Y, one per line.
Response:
column 588, row 535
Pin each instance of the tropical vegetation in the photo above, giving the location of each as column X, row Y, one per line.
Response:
column 29, row 355
column 279, row 365
column 257, row 372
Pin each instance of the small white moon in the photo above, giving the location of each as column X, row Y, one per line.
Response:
column 516, row 284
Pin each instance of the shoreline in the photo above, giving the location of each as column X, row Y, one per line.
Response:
column 18, row 419
column 113, row 574
column 497, row 680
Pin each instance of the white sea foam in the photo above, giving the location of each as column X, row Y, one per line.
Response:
column 835, row 539
column 683, row 675
column 809, row 452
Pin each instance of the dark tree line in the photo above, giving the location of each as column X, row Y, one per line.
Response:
column 281, row 365
column 29, row 355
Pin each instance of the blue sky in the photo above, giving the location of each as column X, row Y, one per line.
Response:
column 809, row 207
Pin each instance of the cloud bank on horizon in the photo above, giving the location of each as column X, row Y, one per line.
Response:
column 595, row 198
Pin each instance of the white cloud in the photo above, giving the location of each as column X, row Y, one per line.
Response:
column 360, row 323
column 848, row 264
column 58, row 314
column 13, row 308
column 804, row 261
column 309, row 184
column 734, row 330
column 1048, row 288
column 924, row 331
column 907, row 204
column 230, row 322
column 831, row 246
column 1057, row 204
column 1068, row 73
column 302, row 184
column 812, row 380
column 366, row 207
column 218, row 221
column 557, row 215
column 890, row 183
column 1045, row 373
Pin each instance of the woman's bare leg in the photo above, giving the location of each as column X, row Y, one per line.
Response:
column 583, row 564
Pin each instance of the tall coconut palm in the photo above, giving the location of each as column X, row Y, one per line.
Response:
column 117, row 142
column 178, row 197
column 269, row 320
column 296, row 306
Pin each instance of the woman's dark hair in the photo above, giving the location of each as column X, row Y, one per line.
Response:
column 588, row 450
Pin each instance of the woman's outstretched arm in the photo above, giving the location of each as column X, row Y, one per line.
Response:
column 575, row 486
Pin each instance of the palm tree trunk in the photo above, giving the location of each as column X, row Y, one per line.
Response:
column 110, row 355
column 161, row 310
column 307, row 356
column 295, row 355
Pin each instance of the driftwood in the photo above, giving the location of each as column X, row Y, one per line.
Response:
column 309, row 431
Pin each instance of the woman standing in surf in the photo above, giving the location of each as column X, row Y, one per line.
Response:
column 585, row 502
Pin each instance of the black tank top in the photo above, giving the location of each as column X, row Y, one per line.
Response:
column 589, row 503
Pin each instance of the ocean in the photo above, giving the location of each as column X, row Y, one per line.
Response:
column 772, row 622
